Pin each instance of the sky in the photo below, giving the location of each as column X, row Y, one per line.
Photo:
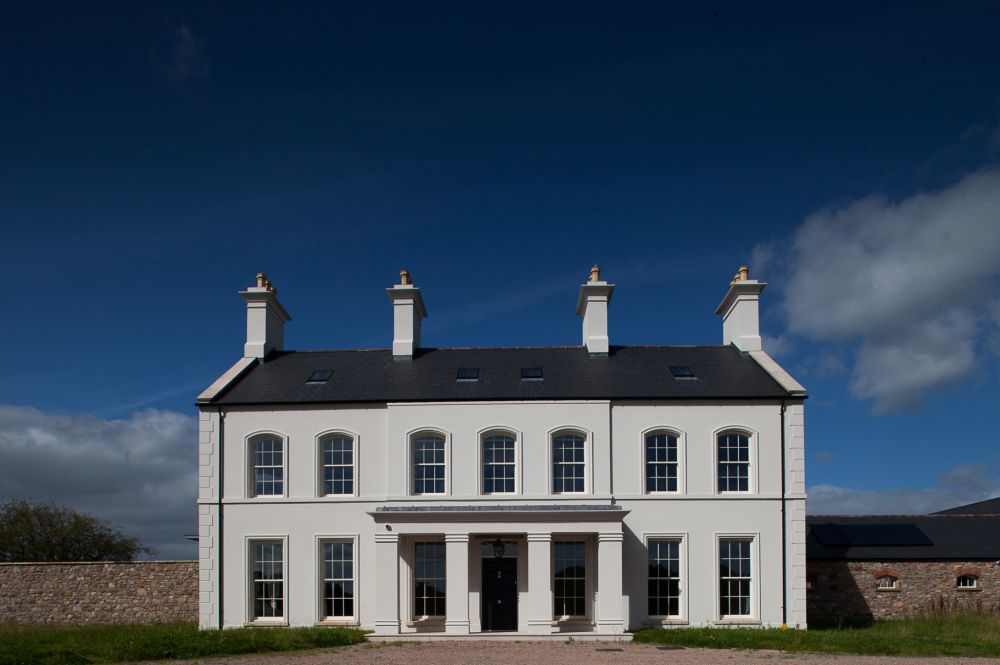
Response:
column 155, row 157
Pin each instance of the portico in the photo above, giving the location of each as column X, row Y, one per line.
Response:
column 561, row 566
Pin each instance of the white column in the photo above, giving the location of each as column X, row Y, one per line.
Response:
column 610, row 602
column 457, row 588
column 387, row 584
column 539, row 605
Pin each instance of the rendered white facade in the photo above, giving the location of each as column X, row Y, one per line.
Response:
column 615, row 518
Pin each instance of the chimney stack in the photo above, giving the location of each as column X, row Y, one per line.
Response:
column 407, row 311
column 265, row 319
column 592, row 305
column 740, row 312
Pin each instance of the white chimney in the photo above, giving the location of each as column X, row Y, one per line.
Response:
column 407, row 310
column 739, row 312
column 265, row 319
column 592, row 305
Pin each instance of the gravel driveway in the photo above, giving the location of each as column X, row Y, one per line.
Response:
column 556, row 653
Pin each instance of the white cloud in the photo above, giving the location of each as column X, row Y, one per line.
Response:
column 183, row 58
column 138, row 473
column 908, row 280
column 956, row 486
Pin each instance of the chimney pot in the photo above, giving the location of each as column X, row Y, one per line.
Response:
column 740, row 312
column 266, row 319
column 592, row 305
column 407, row 312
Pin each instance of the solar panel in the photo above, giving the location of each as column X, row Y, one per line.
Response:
column 870, row 535
column 531, row 372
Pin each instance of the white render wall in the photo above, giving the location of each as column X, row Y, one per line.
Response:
column 614, row 432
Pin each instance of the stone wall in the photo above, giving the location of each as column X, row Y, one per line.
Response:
column 99, row 592
column 846, row 590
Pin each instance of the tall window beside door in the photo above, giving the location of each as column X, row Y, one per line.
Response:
column 429, row 582
column 570, row 579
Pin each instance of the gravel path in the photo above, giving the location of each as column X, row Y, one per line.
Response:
column 558, row 653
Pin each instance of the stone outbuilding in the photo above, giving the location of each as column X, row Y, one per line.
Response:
column 861, row 568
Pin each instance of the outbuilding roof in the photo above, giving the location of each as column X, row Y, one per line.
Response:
column 503, row 374
column 903, row 537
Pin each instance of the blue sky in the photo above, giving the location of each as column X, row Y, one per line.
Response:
column 153, row 159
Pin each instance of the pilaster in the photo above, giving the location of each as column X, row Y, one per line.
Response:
column 387, row 588
column 539, row 606
column 610, row 602
column 457, row 590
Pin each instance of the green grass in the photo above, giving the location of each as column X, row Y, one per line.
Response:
column 950, row 636
column 78, row 645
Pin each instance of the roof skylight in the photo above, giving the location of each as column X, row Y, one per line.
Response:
column 467, row 374
column 320, row 376
column 682, row 372
column 531, row 373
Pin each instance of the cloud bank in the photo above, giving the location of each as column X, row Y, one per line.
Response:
column 138, row 473
column 956, row 486
column 914, row 283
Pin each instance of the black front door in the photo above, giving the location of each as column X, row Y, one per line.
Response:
column 499, row 594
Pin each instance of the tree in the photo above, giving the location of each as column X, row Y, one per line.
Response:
column 49, row 532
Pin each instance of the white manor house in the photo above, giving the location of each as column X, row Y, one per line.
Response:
column 585, row 490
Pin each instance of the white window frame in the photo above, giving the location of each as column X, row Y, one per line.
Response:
column 682, row 553
column 413, row 579
column 751, row 459
column 321, row 540
column 411, row 460
column 248, row 561
column 588, row 455
column 895, row 586
column 681, row 458
column 589, row 561
column 482, row 435
column 755, row 581
column 250, row 489
column 355, row 450
column 967, row 587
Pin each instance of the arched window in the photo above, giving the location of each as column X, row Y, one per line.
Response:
column 661, row 462
column 428, row 455
column 886, row 582
column 267, row 465
column 967, row 581
column 733, row 453
column 336, row 453
column 499, row 456
column 569, row 463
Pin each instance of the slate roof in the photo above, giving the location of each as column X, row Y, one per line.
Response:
column 950, row 536
column 635, row 373
column 987, row 507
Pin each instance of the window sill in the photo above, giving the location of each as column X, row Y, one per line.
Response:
column 265, row 623
column 425, row 621
column 654, row 621
column 892, row 590
column 737, row 621
column 968, row 590
column 570, row 620
column 337, row 622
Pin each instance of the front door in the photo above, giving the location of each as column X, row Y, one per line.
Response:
column 499, row 610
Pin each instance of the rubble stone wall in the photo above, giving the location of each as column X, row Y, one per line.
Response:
column 846, row 590
column 99, row 592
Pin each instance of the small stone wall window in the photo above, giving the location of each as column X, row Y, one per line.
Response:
column 887, row 583
column 967, row 582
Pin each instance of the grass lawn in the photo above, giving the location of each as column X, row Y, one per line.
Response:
column 952, row 636
column 76, row 645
